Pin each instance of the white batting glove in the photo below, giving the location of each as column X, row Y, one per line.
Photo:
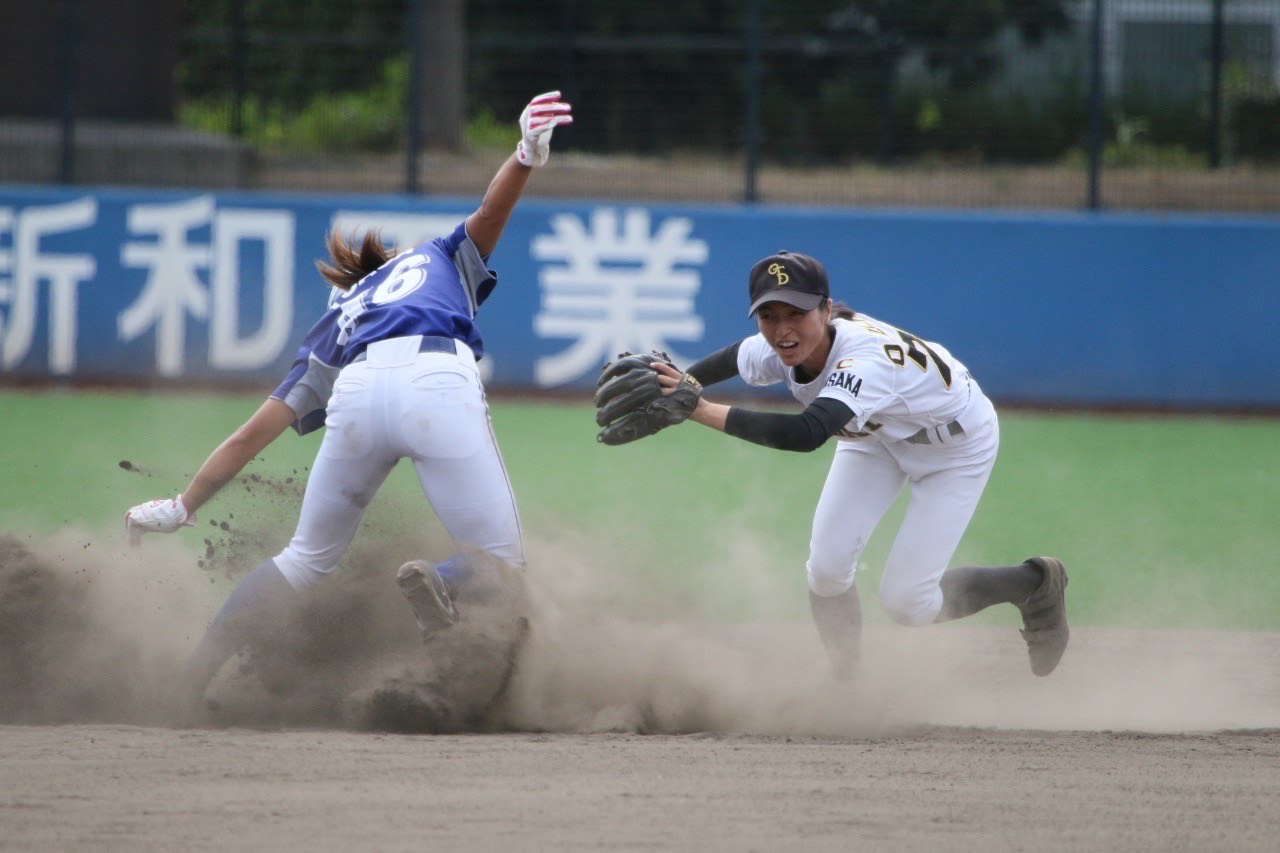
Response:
column 543, row 115
column 160, row 516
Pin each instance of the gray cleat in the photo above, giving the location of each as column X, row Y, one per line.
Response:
column 428, row 595
column 1044, row 616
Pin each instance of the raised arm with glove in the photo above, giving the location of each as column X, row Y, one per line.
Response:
column 543, row 115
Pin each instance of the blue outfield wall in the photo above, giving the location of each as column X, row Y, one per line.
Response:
column 1047, row 308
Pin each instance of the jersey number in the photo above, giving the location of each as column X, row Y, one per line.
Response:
column 404, row 278
column 917, row 351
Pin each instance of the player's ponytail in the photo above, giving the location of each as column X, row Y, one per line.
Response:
column 841, row 311
column 351, row 259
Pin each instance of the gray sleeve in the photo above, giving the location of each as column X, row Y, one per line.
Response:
column 310, row 395
column 477, row 279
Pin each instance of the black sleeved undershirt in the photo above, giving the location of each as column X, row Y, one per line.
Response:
column 718, row 366
column 804, row 432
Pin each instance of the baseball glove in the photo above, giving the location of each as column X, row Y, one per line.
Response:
column 630, row 402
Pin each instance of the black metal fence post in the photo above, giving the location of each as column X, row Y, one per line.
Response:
column 1096, row 85
column 566, row 55
column 1216, row 58
column 413, row 120
column 239, row 43
column 755, row 77
column 890, row 50
column 70, row 39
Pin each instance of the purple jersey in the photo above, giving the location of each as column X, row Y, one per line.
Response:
column 433, row 288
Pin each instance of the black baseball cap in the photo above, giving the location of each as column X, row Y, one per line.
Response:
column 788, row 277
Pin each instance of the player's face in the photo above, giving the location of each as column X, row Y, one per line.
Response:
column 798, row 337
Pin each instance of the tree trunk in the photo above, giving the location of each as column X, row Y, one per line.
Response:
column 441, row 100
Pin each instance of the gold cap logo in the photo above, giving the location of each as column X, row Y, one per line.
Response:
column 779, row 272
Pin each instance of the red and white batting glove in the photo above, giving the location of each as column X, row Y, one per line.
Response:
column 160, row 516
column 543, row 115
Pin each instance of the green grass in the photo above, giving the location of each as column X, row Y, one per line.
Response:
column 1162, row 521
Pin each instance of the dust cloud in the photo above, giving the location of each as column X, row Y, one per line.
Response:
column 93, row 631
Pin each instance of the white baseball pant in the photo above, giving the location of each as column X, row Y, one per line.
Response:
column 946, row 482
column 399, row 403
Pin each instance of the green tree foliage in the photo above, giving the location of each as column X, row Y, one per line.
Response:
column 677, row 80
column 293, row 51
column 953, row 35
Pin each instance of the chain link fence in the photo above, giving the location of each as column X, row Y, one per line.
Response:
column 1067, row 104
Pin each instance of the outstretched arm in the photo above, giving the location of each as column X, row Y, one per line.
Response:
column 250, row 438
column 706, row 412
column 167, row 515
column 542, row 116
column 484, row 227
column 718, row 366
column 804, row 431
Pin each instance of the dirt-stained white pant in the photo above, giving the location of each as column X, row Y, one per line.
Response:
column 866, row 475
column 399, row 403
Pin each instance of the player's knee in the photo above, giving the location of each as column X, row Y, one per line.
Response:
column 910, row 605
column 304, row 571
column 832, row 564
column 830, row 580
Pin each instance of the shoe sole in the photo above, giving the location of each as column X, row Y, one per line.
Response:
column 1045, row 646
column 428, row 596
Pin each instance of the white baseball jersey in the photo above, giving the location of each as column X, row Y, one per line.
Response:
column 895, row 383
column 898, row 386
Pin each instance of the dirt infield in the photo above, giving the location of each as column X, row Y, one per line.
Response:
column 625, row 728
column 117, row 788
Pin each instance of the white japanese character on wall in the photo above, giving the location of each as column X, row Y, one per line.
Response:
column 619, row 286
column 174, row 288
column 25, row 266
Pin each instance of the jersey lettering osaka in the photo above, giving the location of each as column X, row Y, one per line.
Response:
column 894, row 382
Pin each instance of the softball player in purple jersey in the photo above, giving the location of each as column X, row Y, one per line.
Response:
column 390, row 371
column 903, row 411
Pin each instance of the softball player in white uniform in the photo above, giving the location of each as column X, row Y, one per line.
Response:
column 903, row 411
column 390, row 371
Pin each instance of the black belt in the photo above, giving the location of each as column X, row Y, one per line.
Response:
column 429, row 343
column 925, row 436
